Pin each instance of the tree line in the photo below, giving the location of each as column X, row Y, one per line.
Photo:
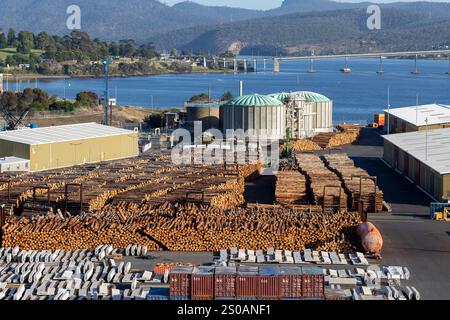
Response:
column 39, row 100
column 75, row 46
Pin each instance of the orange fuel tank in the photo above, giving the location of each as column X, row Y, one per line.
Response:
column 370, row 236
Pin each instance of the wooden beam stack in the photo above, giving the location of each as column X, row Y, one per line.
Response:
column 290, row 188
column 356, row 180
column 325, row 187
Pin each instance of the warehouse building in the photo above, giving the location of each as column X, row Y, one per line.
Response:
column 307, row 113
column 69, row 145
column 423, row 157
column 417, row 118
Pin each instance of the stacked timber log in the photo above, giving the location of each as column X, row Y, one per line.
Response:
column 348, row 134
column 185, row 227
column 143, row 179
column 301, row 145
column 357, row 183
column 290, row 188
column 323, row 139
column 324, row 185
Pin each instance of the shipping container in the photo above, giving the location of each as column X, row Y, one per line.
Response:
column 202, row 287
column 269, row 283
column 225, row 282
column 180, row 281
column 247, row 282
column 158, row 294
column 313, row 283
column 291, row 283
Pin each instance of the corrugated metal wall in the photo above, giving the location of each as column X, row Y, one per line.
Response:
column 67, row 154
column 428, row 179
column 14, row 149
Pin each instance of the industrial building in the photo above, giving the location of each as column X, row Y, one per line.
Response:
column 417, row 118
column 422, row 157
column 263, row 114
column 207, row 114
column 69, row 145
column 307, row 113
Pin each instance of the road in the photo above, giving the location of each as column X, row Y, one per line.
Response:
column 411, row 238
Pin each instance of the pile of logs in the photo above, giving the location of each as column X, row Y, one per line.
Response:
column 323, row 139
column 143, row 179
column 185, row 227
column 325, row 187
column 290, row 188
column 301, row 145
column 357, row 182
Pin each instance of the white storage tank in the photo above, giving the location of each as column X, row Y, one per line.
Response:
column 264, row 114
column 307, row 113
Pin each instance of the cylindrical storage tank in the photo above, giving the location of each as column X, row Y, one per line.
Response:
column 203, row 283
column 208, row 114
column 263, row 114
column 225, row 283
column 370, row 236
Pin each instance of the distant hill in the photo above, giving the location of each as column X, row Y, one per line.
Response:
column 295, row 25
column 339, row 31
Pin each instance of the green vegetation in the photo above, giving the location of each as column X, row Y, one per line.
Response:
column 39, row 100
column 203, row 97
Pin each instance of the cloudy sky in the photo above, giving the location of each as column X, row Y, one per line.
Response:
column 263, row 4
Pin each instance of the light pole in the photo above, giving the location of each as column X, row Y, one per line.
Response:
column 426, row 140
column 106, row 96
column 389, row 111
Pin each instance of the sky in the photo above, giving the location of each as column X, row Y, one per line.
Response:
column 264, row 4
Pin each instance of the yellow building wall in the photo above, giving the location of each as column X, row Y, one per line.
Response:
column 72, row 153
column 446, row 186
column 14, row 149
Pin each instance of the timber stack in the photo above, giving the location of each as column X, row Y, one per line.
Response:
column 324, row 185
column 357, row 183
column 290, row 188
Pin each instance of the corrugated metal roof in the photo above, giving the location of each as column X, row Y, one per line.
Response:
column 307, row 96
column 414, row 143
column 417, row 115
column 255, row 100
column 62, row 133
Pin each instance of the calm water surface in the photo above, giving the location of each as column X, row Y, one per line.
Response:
column 357, row 96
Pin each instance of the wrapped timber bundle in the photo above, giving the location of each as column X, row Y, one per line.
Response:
column 185, row 227
column 290, row 188
column 357, row 183
column 324, row 185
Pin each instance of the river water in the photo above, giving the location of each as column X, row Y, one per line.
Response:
column 357, row 96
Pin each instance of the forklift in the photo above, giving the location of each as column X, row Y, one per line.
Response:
column 443, row 216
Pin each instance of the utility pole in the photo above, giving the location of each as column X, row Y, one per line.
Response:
column 389, row 111
column 426, row 140
column 106, row 95
column 417, row 109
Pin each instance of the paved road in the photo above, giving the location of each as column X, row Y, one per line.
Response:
column 411, row 238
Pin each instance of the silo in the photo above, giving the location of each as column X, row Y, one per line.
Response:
column 208, row 114
column 263, row 114
column 307, row 112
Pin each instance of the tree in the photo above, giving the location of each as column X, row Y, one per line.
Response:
column 227, row 96
column 174, row 53
column 87, row 99
column 43, row 41
column 11, row 37
column 26, row 42
column 3, row 40
column 203, row 97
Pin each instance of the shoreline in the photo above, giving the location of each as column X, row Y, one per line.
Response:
column 113, row 76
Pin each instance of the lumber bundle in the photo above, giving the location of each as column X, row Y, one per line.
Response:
column 290, row 188
column 324, row 185
column 357, row 183
column 323, row 139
